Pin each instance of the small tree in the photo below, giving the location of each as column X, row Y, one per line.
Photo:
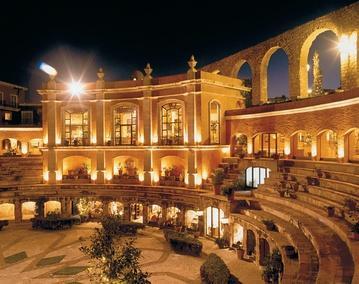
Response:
column 273, row 267
column 114, row 260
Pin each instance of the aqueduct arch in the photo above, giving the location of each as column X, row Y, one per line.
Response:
column 296, row 43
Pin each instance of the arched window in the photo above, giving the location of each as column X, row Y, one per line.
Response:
column 76, row 128
column 255, row 176
column 214, row 122
column 172, row 124
column 125, row 125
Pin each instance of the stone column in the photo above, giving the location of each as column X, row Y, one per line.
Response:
column 297, row 75
column 192, row 168
column 51, row 134
column 147, row 168
column 100, row 167
column 126, row 211
column 244, row 242
column 68, row 206
column 18, row 211
column 349, row 62
column 183, row 215
column 164, row 213
column 259, row 85
column 145, row 213
column 100, row 109
column 257, row 233
column 105, row 207
column 191, row 103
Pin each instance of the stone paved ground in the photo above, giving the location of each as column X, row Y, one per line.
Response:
column 29, row 256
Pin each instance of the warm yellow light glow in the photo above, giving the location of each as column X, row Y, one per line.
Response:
column 226, row 150
column 308, row 67
column 156, row 177
column 24, row 149
column 249, row 148
column 141, row 177
column 94, row 176
column 141, row 139
column 108, row 175
column 46, row 175
column 198, row 179
column 204, row 174
column 75, row 88
column 186, row 179
column 58, row 141
column 310, row 91
column 287, row 148
column 58, row 175
column 185, row 137
column 340, row 148
column 154, row 139
column 93, row 139
column 314, row 150
column 347, row 44
column 198, row 138
column 46, row 139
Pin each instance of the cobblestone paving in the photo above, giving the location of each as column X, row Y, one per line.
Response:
column 62, row 262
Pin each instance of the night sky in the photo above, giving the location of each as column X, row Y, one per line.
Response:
column 77, row 37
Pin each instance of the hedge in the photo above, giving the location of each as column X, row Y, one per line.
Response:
column 3, row 223
column 214, row 270
column 183, row 243
column 52, row 224
column 116, row 226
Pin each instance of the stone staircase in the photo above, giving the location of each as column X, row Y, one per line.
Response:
column 20, row 170
column 326, row 253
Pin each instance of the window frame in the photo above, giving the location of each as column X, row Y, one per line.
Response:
column 178, row 137
column 84, row 141
column 218, row 122
column 27, row 112
column 133, row 125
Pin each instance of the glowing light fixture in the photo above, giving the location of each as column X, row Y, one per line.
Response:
column 76, row 88
column 308, row 67
column 347, row 44
column 48, row 69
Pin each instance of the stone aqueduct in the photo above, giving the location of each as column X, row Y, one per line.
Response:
column 296, row 44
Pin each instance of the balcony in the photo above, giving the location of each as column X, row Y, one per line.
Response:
column 77, row 142
column 77, row 176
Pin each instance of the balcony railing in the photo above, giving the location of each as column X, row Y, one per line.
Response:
column 77, row 142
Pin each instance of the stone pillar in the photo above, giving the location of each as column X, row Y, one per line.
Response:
column 147, row 107
column 52, row 165
column 257, row 233
column 100, row 109
column 183, row 215
column 126, row 211
column 145, row 213
column 297, row 75
column 259, row 85
column 244, row 242
column 68, row 206
column 100, row 167
column 18, row 211
column 147, row 168
column 192, row 168
column 349, row 61
column 164, row 213
column 191, row 103
column 105, row 207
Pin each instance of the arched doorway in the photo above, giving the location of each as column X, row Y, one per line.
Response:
column 301, row 145
column 264, row 251
column 192, row 218
column 7, row 211
column 256, row 176
column 239, row 145
column 28, row 210
column 245, row 74
column 136, row 213
column 76, row 169
column 268, row 145
column 352, row 146
column 173, row 215
column 154, row 214
column 214, row 226
column 52, row 206
column 116, row 208
column 323, row 65
column 251, row 243
column 328, row 145
column 238, row 232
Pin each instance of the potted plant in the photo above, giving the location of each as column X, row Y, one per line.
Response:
column 76, row 142
column 350, row 204
column 319, row 172
column 331, row 211
column 327, row 175
column 217, row 180
column 239, row 249
column 355, row 232
column 228, row 191
column 270, row 225
column 222, row 243
column 273, row 267
column 120, row 169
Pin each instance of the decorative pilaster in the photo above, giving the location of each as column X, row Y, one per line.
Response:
column 100, row 108
column 145, row 213
column 18, row 211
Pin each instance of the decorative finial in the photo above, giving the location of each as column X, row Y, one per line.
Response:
column 100, row 74
column 192, row 64
column 148, row 70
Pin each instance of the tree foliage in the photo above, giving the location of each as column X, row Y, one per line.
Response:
column 114, row 259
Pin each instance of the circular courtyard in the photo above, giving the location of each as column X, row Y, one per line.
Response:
column 37, row 256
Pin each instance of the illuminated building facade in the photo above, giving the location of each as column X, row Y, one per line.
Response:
column 146, row 149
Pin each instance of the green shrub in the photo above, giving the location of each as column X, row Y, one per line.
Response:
column 52, row 223
column 183, row 242
column 218, row 176
column 222, row 243
column 214, row 270
column 115, row 225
